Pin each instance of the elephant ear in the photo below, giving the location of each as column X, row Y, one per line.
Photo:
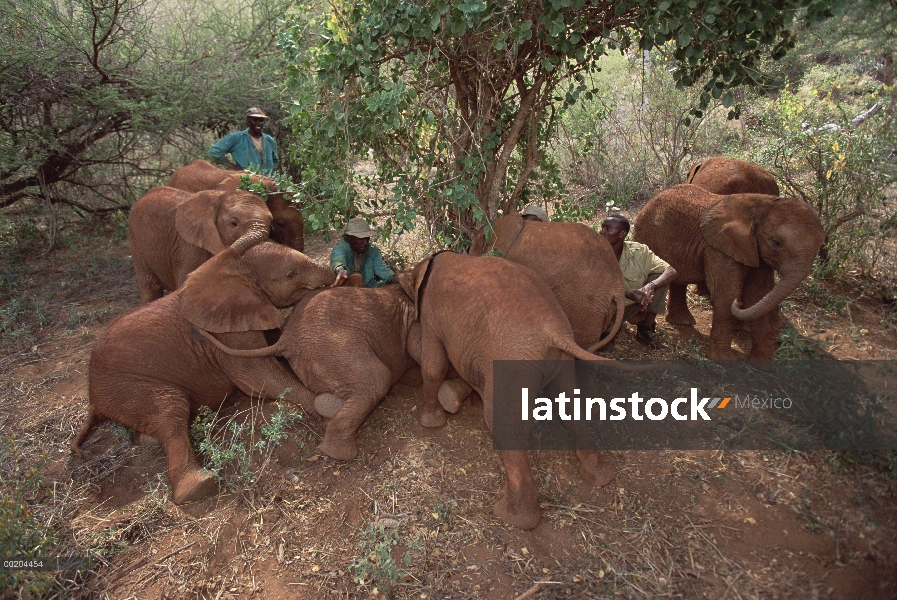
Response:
column 222, row 296
column 196, row 220
column 414, row 282
column 692, row 172
column 507, row 229
column 729, row 226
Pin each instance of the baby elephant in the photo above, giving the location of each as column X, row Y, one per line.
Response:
column 149, row 373
column 349, row 345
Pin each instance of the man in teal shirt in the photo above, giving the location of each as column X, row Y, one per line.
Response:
column 248, row 148
column 355, row 254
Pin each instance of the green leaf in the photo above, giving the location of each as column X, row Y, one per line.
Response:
column 728, row 99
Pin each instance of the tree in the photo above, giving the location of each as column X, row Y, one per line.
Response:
column 101, row 98
column 451, row 96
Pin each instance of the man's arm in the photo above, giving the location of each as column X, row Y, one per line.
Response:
column 380, row 269
column 338, row 261
column 219, row 150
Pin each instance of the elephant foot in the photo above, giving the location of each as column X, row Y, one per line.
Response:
column 433, row 418
column 594, row 469
column 339, row 449
column 327, row 405
column 761, row 354
column 522, row 517
column 194, row 486
column 680, row 318
column 452, row 393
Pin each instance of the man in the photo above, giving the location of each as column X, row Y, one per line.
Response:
column 248, row 148
column 534, row 212
column 646, row 278
column 355, row 254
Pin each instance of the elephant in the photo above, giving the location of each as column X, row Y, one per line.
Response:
column 721, row 175
column 576, row 262
column 151, row 374
column 202, row 175
column 172, row 232
column 733, row 244
column 473, row 310
column 350, row 345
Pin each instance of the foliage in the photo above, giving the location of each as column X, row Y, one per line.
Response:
column 377, row 546
column 456, row 100
column 22, row 533
column 841, row 169
column 230, row 445
column 792, row 346
column 102, row 98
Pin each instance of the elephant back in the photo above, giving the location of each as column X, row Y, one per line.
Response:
column 720, row 175
column 581, row 269
column 152, row 236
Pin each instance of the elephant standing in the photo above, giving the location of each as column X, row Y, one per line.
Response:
column 720, row 175
column 576, row 262
column 733, row 244
column 172, row 232
column 201, row 175
column 149, row 373
column 473, row 310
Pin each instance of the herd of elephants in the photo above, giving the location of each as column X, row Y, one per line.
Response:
column 231, row 262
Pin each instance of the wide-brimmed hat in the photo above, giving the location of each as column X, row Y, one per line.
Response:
column 360, row 228
column 256, row 113
column 536, row 211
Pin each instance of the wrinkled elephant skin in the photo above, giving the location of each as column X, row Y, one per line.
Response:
column 720, row 175
column 149, row 371
column 733, row 245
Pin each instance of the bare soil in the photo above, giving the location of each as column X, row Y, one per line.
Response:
column 411, row 517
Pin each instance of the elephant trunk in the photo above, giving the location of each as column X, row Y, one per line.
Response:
column 257, row 233
column 788, row 282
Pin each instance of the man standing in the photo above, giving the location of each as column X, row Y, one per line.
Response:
column 646, row 278
column 248, row 148
column 355, row 254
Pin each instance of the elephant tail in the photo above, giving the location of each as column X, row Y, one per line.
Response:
column 89, row 423
column 570, row 347
column 619, row 299
column 253, row 353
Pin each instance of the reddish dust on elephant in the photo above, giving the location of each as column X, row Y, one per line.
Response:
column 721, row 175
column 287, row 227
column 151, row 374
column 733, row 245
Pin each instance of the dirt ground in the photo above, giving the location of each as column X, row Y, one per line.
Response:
column 411, row 517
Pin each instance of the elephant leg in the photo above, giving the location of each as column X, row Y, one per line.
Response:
column 764, row 331
column 362, row 396
column 150, row 286
column 434, row 367
column 266, row 376
column 519, row 506
column 725, row 279
column 452, row 393
column 327, row 405
column 677, row 308
column 288, row 224
column 170, row 425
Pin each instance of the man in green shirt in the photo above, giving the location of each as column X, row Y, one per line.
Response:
column 355, row 254
column 248, row 148
column 646, row 278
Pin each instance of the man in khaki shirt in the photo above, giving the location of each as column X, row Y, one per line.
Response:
column 646, row 278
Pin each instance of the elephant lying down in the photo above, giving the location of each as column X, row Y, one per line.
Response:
column 149, row 373
column 350, row 345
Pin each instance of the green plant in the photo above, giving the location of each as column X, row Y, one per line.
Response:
column 794, row 346
column 377, row 564
column 229, row 445
column 22, row 532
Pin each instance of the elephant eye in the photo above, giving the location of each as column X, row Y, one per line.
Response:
column 291, row 275
column 776, row 242
column 233, row 222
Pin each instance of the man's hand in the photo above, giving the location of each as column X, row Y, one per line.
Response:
column 341, row 276
column 644, row 295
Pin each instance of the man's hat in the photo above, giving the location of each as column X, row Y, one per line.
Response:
column 536, row 211
column 360, row 228
column 256, row 112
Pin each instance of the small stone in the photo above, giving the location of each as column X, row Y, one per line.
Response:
column 524, row 551
column 601, row 574
column 315, row 568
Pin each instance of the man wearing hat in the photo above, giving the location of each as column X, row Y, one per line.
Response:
column 356, row 254
column 248, row 148
column 534, row 212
